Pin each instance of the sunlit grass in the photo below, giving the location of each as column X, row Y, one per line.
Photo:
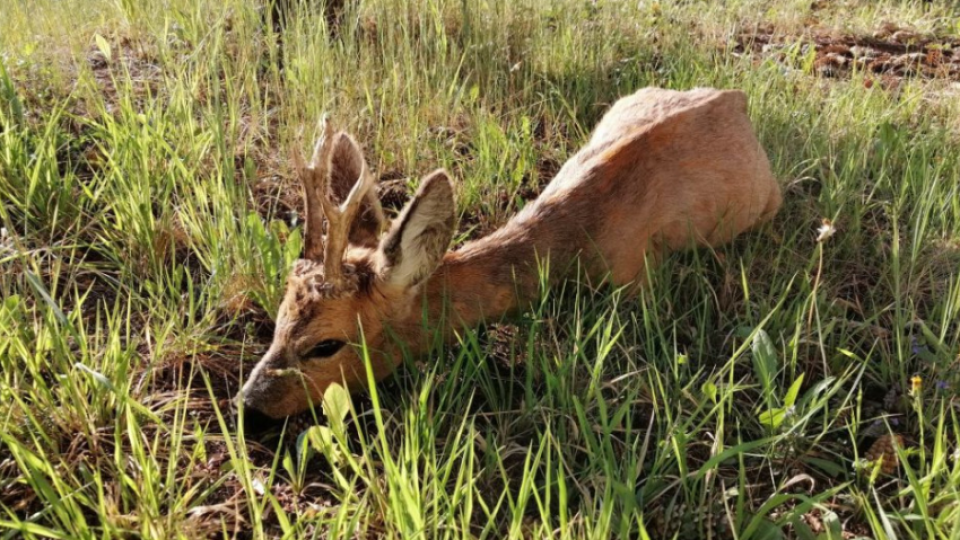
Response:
column 149, row 216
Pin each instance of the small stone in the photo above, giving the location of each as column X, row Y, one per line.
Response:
column 863, row 52
column 885, row 30
column 904, row 36
column 911, row 58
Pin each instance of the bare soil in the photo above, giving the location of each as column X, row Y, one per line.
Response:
column 889, row 55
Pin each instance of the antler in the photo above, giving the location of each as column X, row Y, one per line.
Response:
column 316, row 185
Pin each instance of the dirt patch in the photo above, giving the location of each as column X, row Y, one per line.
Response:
column 889, row 54
column 127, row 63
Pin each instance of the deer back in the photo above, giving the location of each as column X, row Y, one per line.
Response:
column 663, row 170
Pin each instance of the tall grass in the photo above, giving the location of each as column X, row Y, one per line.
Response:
column 150, row 215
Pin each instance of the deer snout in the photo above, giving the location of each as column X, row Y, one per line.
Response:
column 271, row 387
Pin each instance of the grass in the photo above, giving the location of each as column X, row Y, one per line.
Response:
column 149, row 215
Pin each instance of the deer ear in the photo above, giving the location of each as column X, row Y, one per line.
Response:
column 413, row 248
column 346, row 166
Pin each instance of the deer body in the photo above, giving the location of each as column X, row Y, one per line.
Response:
column 664, row 170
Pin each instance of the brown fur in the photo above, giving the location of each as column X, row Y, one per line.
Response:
column 664, row 170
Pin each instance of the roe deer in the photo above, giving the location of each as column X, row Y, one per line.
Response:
column 664, row 170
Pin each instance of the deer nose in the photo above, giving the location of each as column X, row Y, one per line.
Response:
column 242, row 400
column 250, row 402
column 266, row 389
column 250, row 394
column 256, row 404
column 255, row 421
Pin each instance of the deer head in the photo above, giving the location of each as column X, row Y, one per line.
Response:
column 353, row 283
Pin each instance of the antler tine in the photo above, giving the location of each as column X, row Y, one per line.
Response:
column 316, row 184
column 339, row 220
column 352, row 203
column 365, row 188
column 315, row 176
column 374, row 201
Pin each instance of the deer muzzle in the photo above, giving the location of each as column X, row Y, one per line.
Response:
column 273, row 388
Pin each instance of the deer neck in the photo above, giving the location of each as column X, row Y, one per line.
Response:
column 495, row 275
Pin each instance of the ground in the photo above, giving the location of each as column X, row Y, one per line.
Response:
column 798, row 383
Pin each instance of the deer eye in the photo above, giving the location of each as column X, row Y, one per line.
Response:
column 325, row 348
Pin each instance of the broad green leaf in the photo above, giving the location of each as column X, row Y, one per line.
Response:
column 336, row 404
column 803, row 531
column 825, row 465
column 320, row 437
column 764, row 351
column 768, row 530
column 104, row 47
column 304, row 448
column 10, row 303
column 292, row 247
column 764, row 364
column 772, row 418
column 287, row 462
column 793, row 392
column 816, row 390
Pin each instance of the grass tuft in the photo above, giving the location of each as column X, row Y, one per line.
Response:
column 783, row 386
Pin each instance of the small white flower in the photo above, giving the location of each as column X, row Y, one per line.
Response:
column 826, row 230
column 258, row 486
